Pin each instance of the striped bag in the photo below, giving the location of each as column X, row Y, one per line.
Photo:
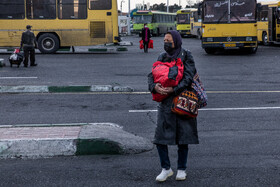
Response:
column 200, row 91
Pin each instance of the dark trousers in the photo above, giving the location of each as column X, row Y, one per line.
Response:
column 182, row 156
column 29, row 51
column 146, row 46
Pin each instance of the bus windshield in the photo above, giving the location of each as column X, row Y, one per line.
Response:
column 183, row 18
column 142, row 19
column 240, row 11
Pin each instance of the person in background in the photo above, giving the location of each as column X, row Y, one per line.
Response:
column 28, row 43
column 173, row 129
column 146, row 35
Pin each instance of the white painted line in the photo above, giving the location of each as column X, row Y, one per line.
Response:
column 135, row 111
column 248, row 108
column 216, row 109
column 214, row 92
column 249, row 91
column 18, row 77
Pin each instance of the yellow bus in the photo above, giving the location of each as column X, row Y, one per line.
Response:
column 196, row 25
column 229, row 24
column 269, row 22
column 59, row 23
column 183, row 25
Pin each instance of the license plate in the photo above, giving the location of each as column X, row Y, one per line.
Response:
column 230, row 45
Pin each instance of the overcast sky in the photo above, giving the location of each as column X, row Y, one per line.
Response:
column 171, row 2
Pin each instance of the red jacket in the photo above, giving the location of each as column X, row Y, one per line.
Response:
column 168, row 74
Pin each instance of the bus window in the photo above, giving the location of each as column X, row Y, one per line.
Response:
column 41, row 9
column 183, row 18
column 154, row 18
column 165, row 19
column 12, row 10
column 215, row 11
column 278, row 15
column 242, row 10
column 195, row 17
column 263, row 15
column 71, row 9
column 142, row 19
column 100, row 4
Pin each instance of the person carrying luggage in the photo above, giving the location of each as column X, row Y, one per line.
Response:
column 146, row 35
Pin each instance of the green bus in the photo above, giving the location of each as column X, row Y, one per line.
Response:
column 158, row 22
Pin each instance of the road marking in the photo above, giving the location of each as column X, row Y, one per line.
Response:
column 216, row 109
column 208, row 92
column 217, row 92
column 18, row 77
column 269, row 91
column 147, row 93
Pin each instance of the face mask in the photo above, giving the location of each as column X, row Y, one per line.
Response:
column 168, row 47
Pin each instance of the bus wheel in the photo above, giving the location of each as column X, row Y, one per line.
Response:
column 265, row 39
column 210, row 50
column 48, row 43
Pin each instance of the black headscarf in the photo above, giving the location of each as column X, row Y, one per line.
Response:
column 177, row 44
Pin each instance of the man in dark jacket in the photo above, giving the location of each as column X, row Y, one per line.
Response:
column 29, row 43
column 146, row 35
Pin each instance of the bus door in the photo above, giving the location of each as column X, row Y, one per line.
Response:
column 271, row 24
column 278, row 24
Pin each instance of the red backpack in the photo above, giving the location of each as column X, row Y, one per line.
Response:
column 168, row 74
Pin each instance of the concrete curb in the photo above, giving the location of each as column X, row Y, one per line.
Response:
column 93, row 138
column 107, row 48
column 59, row 89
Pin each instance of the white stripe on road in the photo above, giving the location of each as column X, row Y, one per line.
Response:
column 216, row 109
column 219, row 92
column 18, row 77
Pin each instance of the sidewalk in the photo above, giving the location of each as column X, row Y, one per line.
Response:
column 48, row 140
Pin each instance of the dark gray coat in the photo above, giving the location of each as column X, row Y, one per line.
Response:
column 173, row 129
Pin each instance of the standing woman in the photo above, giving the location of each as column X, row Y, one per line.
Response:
column 146, row 35
column 173, row 129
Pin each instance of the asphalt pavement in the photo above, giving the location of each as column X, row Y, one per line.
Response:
column 238, row 130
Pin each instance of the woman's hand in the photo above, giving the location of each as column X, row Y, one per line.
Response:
column 159, row 89
column 168, row 90
column 163, row 90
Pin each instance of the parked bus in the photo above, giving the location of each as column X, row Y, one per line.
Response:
column 183, row 24
column 196, row 24
column 158, row 22
column 59, row 23
column 269, row 22
column 229, row 24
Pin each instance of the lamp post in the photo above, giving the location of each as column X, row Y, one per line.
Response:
column 122, row 1
column 129, row 17
column 167, row 10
